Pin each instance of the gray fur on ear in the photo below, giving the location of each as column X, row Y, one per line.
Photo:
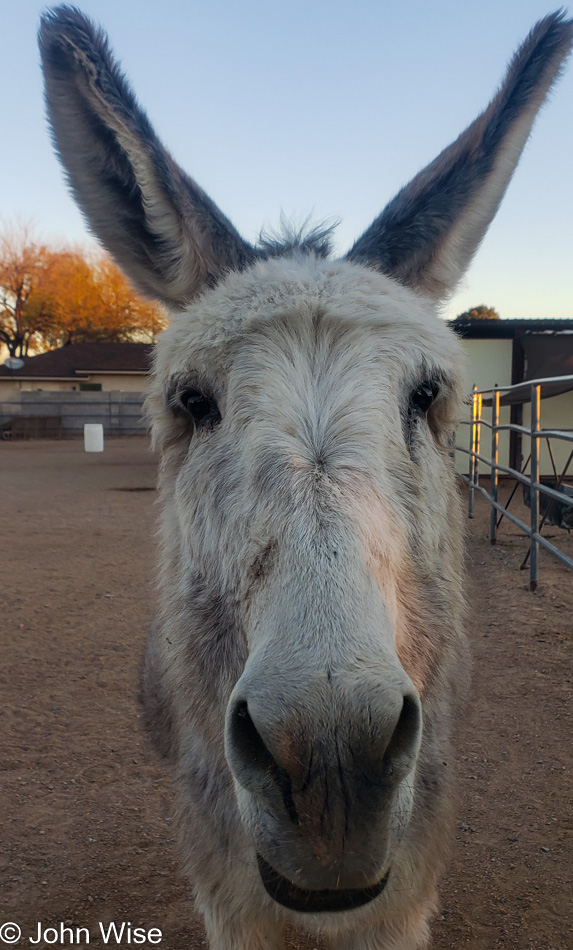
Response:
column 428, row 234
column 163, row 230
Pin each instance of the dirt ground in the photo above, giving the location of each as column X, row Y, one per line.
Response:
column 85, row 808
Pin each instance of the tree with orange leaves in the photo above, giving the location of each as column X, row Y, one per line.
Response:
column 24, row 314
column 50, row 297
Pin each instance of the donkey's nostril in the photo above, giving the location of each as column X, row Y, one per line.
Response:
column 252, row 762
column 403, row 747
column 246, row 742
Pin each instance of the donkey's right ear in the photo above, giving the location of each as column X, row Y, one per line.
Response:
column 162, row 229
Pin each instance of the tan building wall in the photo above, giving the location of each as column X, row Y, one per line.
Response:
column 489, row 362
column 8, row 386
column 110, row 382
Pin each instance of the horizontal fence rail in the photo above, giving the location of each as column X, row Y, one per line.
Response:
column 26, row 414
column 559, row 498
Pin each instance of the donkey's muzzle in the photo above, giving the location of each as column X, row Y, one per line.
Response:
column 325, row 780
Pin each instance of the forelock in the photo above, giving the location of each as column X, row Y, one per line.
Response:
column 290, row 239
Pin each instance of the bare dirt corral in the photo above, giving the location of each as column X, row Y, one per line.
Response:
column 85, row 829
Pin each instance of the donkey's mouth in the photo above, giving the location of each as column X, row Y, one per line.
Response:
column 289, row 895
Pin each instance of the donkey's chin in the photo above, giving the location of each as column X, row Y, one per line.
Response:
column 304, row 901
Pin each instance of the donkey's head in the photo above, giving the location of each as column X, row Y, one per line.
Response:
column 310, row 630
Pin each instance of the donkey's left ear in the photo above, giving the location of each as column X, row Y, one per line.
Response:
column 162, row 229
column 428, row 234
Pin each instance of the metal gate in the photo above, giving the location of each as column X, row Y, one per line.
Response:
column 548, row 502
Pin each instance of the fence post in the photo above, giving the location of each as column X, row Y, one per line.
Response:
column 476, row 439
column 494, row 462
column 534, row 492
column 471, row 455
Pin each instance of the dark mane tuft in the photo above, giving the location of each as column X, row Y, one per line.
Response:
column 289, row 238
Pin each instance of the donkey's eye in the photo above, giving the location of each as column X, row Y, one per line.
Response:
column 202, row 408
column 422, row 397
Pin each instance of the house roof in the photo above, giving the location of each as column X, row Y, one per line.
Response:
column 77, row 359
column 509, row 329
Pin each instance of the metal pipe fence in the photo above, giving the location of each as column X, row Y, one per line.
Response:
column 120, row 413
column 537, row 490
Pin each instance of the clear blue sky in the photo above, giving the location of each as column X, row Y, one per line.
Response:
column 322, row 108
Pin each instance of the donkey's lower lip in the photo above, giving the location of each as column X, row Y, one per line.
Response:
column 289, row 895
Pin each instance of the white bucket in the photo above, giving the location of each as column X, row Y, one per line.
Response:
column 93, row 437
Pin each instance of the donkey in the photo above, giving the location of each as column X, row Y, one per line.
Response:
column 308, row 661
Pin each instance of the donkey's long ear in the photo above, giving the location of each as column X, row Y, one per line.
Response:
column 162, row 229
column 428, row 234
